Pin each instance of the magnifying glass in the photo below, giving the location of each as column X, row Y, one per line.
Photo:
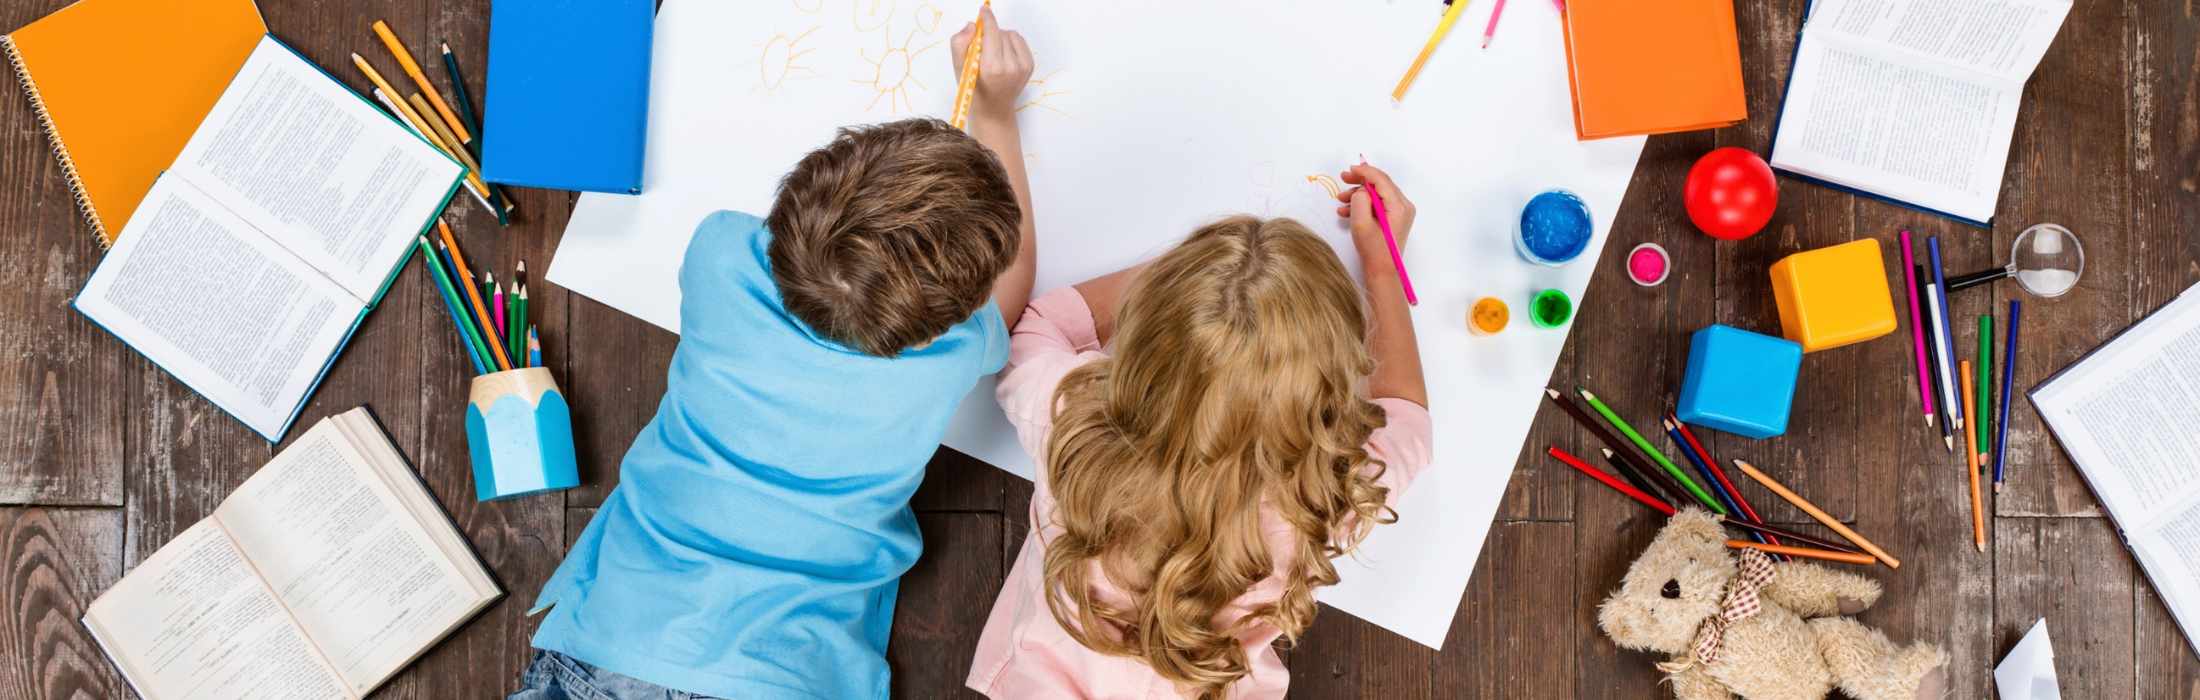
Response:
column 2046, row 260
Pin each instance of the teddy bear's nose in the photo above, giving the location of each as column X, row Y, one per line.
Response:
column 1672, row 589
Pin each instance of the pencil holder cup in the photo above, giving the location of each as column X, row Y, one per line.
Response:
column 520, row 434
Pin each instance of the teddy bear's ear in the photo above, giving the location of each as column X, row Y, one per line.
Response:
column 1694, row 523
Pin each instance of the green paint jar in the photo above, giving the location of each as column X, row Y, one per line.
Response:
column 1550, row 309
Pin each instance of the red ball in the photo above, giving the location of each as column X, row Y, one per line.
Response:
column 1730, row 193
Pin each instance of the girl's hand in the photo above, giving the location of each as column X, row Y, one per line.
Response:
column 1367, row 235
column 1004, row 67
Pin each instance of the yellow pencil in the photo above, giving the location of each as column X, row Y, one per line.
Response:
column 969, row 84
column 443, row 131
column 418, row 123
column 1815, row 513
column 405, row 61
column 1442, row 27
column 1978, row 502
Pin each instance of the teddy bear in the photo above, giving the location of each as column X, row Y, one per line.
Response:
column 1746, row 626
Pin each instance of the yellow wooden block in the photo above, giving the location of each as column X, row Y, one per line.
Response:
column 1833, row 296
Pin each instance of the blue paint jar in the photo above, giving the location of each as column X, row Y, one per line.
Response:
column 1554, row 228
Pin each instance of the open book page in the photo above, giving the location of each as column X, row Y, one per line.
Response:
column 221, row 307
column 2003, row 38
column 2129, row 415
column 193, row 621
column 319, row 170
column 362, row 432
column 1897, row 125
column 2169, row 551
column 356, row 570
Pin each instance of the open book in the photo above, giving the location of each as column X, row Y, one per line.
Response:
column 322, row 576
column 2129, row 415
column 258, row 251
column 1912, row 101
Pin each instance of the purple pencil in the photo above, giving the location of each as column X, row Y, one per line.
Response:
column 1917, row 331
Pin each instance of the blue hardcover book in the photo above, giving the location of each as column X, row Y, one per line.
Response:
column 567, row 102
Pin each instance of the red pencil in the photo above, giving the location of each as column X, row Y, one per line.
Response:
column 1747, row 511
column 1611, row 481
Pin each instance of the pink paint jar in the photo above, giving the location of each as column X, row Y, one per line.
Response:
column 1648, row 264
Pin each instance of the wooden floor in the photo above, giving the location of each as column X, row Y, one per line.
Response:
column 104, row 457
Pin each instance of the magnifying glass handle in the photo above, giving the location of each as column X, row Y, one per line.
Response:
column 1978, row 278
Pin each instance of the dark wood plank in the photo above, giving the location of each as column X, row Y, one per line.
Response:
column 617, row 364
column 943, row 604
column 1608, row 532
column 1341, row 656
column 956, row 482
column 57, row 370
column 2164, row 664
column 576, row 520
column 53, row 562
column 2076, row 574
column 1503, row 644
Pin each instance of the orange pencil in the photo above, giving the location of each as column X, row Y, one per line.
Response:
column 1970, row 466
column 1828, row 555
column 473, row 294
column 969, row 84
column 405, row 60
column 1815, row 513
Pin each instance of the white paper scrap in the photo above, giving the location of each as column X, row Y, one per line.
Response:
column 2028, row 672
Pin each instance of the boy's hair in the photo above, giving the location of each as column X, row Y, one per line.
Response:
column 892, row 233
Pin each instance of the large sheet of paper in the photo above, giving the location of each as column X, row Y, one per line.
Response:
column 1144, row 119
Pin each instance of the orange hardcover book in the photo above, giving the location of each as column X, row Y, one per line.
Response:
column 120, row 86
column 1653, row 67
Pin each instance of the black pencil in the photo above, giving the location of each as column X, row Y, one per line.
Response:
column 1932, row 355
column 1664, row 482
column 1627, row 472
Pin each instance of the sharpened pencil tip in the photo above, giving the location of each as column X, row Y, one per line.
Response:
column 1997, row 487
column 1550, row 391
column 1982, row 546
column 1928, row 420
column 1951, row 443
column 1607, row 452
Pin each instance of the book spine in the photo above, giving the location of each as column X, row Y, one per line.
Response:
column 60, row 150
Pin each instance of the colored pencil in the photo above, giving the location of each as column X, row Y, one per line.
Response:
column 512, row 322
column 498, row 205
column 1985, row 384
column 1628, row 472
column 1667, row 490
column 481, row 311
column 534, row 348
column 1621, row 486
column 403, row 120
column 1644, row 445
column 1495, row 12
column 1382, row 219
column 480, row 335
column 969, row 85
column 520, row 324
column 1741, row 502
column 419, row 125
column 405, row 61
column 1443, row 26
column 1941, row 312
column 2008, row 388
column 496, row 304
column 1970, row 467
column 1717, row 490
column 458, row 91
column 1560, row 4
column 1942, row 350
column 1815, row 513
column 1917, row 330
column 1864, row 559
column 450, row 301
column 1672, row 490
column 1774, row 532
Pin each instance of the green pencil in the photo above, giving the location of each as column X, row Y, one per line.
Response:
column 1985, row 384
column 473, row 342
column 1645, row 446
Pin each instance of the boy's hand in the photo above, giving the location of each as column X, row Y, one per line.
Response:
column 1004, row 67
column 1367, row 235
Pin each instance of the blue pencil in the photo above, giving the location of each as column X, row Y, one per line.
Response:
column 2008, row 382
column 1702, row 469
column 1947, row 333
column 534, row 348
column 443, row 287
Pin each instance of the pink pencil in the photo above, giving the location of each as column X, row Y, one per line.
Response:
column 1383, row 219
column 1496, row 12
column 1917, row 332
column 1560, row 4
column 497, row 307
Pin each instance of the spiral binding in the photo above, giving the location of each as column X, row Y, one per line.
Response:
column 60, row 151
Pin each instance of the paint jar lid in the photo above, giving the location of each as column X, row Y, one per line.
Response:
column 1648, row 264
column 1551, row 309
column 1489, row 316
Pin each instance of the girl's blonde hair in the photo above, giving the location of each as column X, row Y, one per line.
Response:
column 1235, row 378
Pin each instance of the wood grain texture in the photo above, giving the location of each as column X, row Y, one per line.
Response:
column 941, row 609
column 53, row 562
column 2074, row 573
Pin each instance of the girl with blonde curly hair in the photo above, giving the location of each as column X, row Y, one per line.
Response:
column 1206, row 444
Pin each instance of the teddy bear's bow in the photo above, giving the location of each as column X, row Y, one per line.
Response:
column 1741, row 602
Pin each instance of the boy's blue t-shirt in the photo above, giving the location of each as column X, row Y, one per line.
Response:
column 761, row 524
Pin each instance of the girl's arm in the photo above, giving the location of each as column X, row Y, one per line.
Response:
column 1101, row 293
column 1390, row 336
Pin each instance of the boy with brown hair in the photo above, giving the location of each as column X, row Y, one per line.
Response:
column 761, row 523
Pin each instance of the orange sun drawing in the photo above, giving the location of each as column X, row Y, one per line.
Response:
column 894, row 76
column 1040, row 82
column 776, row 65
column 1328, row 184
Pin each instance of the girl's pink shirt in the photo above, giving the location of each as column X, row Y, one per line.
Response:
column 1024, row 652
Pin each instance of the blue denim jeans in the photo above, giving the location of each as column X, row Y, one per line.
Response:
column 555, row 676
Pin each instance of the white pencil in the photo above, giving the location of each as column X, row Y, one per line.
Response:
column 1940, row 343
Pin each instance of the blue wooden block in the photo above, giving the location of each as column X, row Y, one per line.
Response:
column 1739, row 382
column 522, row 442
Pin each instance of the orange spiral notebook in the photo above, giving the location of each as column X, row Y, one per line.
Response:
column 1653, row 67
column 120, row 85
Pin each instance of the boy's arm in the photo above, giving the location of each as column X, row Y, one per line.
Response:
column 1390, row 338
column 1004, row 67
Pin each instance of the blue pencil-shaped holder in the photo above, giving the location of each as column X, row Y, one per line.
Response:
column 520, row 434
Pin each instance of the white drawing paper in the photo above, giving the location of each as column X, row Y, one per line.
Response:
column 1144, row 119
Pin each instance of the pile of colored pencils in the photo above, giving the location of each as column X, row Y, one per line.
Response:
column 1669, row 488
column 428, row 116
column 1963, row 389
column 492, row 323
